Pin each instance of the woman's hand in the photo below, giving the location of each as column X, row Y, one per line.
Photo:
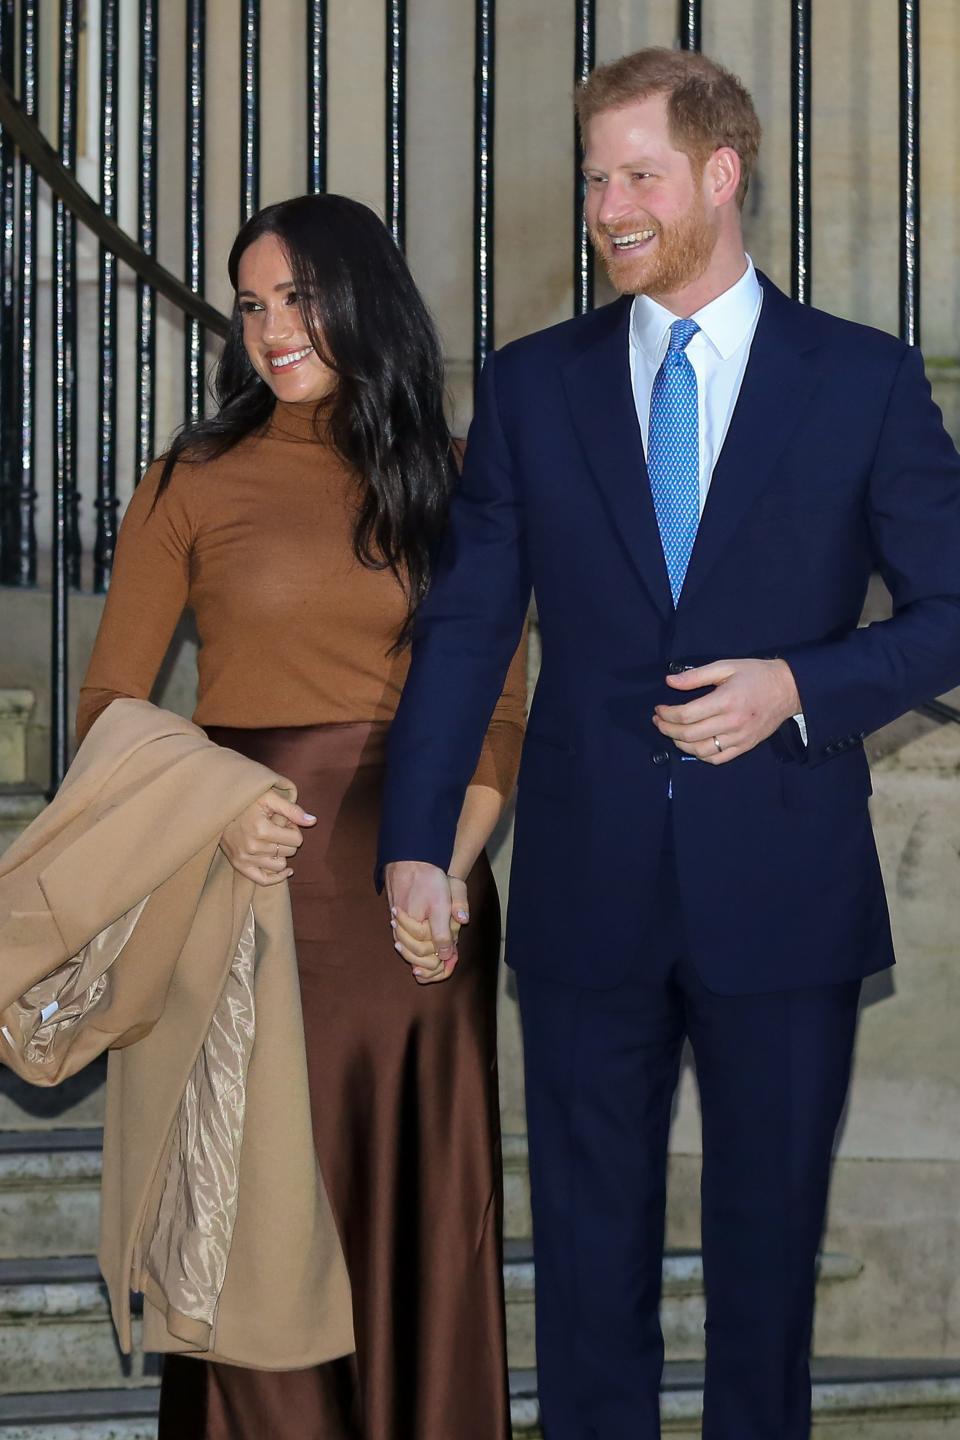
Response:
column 262, row 839
column 413, row 940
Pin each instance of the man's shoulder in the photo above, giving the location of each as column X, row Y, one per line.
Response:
column 850, row 337
column 564, row 340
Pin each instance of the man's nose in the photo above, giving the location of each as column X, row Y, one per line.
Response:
column 614, row 205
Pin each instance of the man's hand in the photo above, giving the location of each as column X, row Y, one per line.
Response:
column 421, row 901
column 751, row 699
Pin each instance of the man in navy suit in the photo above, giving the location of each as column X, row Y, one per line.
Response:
column 696, row 482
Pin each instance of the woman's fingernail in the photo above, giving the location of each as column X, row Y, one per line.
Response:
column 418, row 973
column 398, row 946
column 393, row 909
column 308, row 817
column 393, row 924
column 462, row 915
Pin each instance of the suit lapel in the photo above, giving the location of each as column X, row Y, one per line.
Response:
column 777, row 386
column 600, row 395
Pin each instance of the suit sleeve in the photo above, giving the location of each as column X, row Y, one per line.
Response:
column 467, row 632
column 863, row 680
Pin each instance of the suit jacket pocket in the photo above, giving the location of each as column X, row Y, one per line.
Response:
column 841, row 783
column 545, row 767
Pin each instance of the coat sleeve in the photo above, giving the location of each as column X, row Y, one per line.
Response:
column 860, row 681
column 467, row 632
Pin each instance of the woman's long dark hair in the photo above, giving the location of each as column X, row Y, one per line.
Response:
column 367, row 321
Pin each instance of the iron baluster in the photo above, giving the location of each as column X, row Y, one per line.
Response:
column 483, row 217
column 584, row 61
column 910, row 171
column 396, row 119
column 194, row 338
column 316, row 96
column 146, row 236
column 106, row 501
column 8, row 264
column 20, row 559
column 64, row 410
column 801, row 200
column 691, row 25
column 250, row 109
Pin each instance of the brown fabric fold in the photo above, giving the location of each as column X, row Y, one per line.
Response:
column 403, row 1088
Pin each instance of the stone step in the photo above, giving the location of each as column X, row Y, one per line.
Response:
column 77, row 1103
column 852, row 1400
column 80, row 1415
column 56, row 1332
column 682, row 1310
column 20, row 802
column 49, row 1192
column 16, row 707
column 517, row 1222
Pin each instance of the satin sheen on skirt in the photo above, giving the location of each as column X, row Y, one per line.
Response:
column 403, row 1086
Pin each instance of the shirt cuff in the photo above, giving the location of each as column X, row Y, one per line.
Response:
column 802, row 727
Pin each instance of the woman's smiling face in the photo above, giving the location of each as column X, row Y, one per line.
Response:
column 274, row 334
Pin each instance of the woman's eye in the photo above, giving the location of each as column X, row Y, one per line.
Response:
column 247, row 307
column 292, row 298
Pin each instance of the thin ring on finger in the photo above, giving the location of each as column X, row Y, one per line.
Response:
column 719, row 747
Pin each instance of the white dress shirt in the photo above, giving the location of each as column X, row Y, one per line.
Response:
column 718, row 353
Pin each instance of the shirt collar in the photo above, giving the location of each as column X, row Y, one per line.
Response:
column 725, row 322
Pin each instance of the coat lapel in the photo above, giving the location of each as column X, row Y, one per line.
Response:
column 600, row 396
column 777, row 386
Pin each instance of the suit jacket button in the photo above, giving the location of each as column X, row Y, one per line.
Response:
column 676, row 667
column 660, row 757
column 829, row 749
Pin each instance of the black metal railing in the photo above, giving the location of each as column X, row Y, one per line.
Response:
column 28, row 160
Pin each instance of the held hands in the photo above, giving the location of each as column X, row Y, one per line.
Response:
column 262, row 839
column 750, row 700
column 427, row 909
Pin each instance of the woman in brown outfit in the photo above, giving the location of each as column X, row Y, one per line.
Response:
column 299, row 525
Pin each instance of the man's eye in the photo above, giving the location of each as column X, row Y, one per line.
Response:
column 641, row 175
column 595, row 180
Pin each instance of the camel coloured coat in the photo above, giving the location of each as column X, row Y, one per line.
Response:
column 124, row 928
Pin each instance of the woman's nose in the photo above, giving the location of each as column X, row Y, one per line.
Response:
column 277, row 324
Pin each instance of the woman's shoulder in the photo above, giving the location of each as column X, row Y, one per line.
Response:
column 185, row 485
column 165, row 502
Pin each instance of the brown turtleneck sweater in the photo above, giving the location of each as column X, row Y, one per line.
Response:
column 293, row 630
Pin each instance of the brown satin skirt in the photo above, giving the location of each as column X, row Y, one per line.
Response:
column 403, row 1087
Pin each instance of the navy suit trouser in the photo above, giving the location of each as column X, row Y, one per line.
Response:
column 601, row 1072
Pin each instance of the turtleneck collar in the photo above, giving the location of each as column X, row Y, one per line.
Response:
column 294, row 421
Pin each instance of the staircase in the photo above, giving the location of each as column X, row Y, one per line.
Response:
column 63, row 1378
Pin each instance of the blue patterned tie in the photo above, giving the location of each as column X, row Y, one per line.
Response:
column 673, row 454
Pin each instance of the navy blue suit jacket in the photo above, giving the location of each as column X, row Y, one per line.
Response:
column 836, row 463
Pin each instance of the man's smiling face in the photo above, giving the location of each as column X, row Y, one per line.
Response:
column 646, row 202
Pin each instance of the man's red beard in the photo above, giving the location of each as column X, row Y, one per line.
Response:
column 680, row 255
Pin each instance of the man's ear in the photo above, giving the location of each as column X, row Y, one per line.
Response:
column 722, row 175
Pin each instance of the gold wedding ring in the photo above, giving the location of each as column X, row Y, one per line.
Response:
column 718, row 745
